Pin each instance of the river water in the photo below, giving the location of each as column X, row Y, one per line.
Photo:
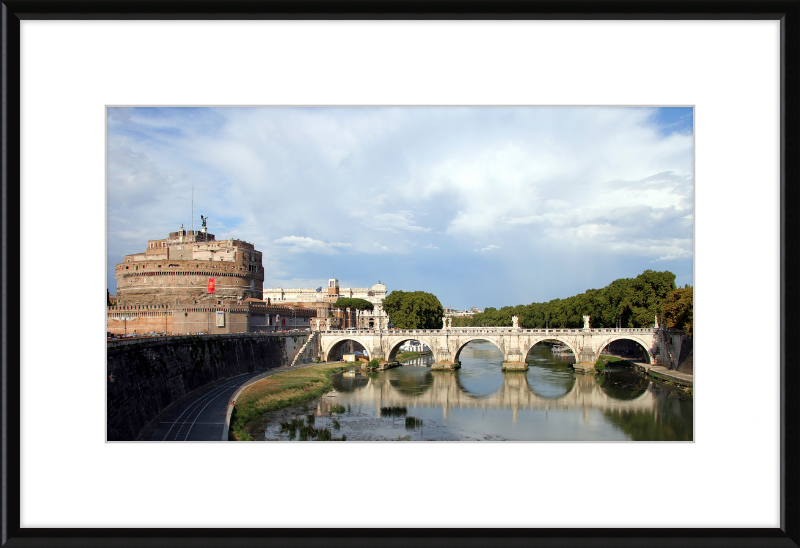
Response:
column 548, row 402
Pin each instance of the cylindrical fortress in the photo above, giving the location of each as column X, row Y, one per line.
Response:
column 177, row 270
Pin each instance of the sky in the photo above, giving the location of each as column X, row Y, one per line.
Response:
column 481, row 206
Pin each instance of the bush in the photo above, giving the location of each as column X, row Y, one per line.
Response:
column 357, row 304
column 393, row 411
column 413, row 310
column 373, row 364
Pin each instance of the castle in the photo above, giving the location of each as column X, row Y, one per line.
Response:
column 178, row 270
column 192, row 283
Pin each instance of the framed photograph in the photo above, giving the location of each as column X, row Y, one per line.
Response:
column 654, row 140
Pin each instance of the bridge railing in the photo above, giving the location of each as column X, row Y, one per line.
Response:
column 491, row 330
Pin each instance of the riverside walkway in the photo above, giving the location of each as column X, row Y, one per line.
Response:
column 684, row 379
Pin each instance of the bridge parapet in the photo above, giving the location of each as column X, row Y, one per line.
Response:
column 475, row 330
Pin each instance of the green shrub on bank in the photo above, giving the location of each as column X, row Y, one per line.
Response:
column 393, row 411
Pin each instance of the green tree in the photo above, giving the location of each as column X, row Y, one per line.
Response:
column 358, row 304
column 677, row 310
column 414, row 310
column 642, row 301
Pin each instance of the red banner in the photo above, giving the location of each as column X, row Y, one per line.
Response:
column 211, row 285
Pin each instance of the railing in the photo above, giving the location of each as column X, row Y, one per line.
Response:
column 473, row 330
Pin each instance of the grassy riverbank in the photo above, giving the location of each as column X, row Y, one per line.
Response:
column 610, row 361
column 405, row 356
column 279, row 391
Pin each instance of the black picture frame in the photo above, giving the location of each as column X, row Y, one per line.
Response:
column 13, row 11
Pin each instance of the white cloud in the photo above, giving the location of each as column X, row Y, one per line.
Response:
column 394, row 222
column 532, row 180
column 303, row 244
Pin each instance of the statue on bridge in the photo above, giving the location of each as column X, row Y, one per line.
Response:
column 515, row 322
column 444, row 323
column 586, row 322
column 449, row 323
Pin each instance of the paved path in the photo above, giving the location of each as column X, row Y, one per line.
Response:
column 671, row 374
column 203, row 415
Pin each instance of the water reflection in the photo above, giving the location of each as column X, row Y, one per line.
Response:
column 550, row 375
column 480, row 402
column 480, row 362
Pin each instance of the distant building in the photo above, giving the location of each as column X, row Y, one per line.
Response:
column 322, row 299
column 413, row 346
column 453, row 313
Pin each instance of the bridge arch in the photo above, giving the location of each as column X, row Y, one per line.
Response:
column 555, row 338
column 550, row 381
column 396, row 343
column 461, row 346
column 626, row 337
column 332, row 348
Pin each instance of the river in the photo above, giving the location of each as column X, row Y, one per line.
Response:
column 548, row 402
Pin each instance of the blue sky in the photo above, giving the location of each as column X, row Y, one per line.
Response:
column 481, row 206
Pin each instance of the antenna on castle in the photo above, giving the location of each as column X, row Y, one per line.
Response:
column 192, row 209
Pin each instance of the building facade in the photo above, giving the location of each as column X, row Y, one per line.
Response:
column 190, row 267
column 453, row 313
column 322, row 298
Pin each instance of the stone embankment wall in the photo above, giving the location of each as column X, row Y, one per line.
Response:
column 149, row 376
column 307, row 352
column 686, row 359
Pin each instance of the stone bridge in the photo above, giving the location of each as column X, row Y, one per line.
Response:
column 662, row 346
